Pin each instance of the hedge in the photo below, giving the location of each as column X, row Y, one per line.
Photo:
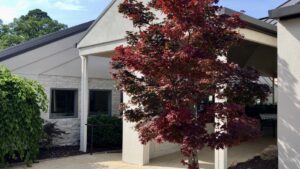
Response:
column 21, row 103
column 107, row 131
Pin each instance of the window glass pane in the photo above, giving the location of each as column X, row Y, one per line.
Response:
column 99, row 102
column 63, row 103
column 203, row 103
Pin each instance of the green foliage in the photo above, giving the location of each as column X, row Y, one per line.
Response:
column 21, row 102
column 107, row 131
column 50, row 132
column 35, row 24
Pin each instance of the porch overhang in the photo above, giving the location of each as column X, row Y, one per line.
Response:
column 107, row 49
column 260, row 56
column 257, row 50
column 252, row 23
column 102, row 49
column 259, row 37
column 255, row 31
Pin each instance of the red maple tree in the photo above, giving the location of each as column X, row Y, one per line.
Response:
column 173, row 63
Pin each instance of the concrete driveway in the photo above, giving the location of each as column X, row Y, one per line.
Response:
column 114, row 160
column 96, row 161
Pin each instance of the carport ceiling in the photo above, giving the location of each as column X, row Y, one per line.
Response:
column 261, row 57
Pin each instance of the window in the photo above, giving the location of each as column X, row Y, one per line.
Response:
column 203, row 103
column 100, row 102
column 63, row 103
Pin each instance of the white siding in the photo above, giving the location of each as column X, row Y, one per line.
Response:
column 289, row 93
column 157, row 150
column 111, row 27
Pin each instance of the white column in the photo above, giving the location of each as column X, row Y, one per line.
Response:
column 221, row 155
column 84, row 103
column 133, row 151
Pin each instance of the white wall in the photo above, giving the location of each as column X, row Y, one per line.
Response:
column 157, row 150
column 133, row 151
column 111, row 27
column 289, row 93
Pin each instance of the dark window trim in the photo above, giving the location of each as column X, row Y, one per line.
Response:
column 109, row 100
column 52, row 116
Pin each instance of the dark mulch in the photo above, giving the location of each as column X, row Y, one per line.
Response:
column 106, row 149
column 57, row 152
column 257, row 163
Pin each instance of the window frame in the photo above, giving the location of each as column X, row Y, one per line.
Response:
column 54, row 115
column 109, row 101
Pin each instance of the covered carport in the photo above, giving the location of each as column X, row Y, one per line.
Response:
column 258, row 49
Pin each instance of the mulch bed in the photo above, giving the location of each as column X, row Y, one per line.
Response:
column 49, row 153
column 257, row 163
column 57, row 152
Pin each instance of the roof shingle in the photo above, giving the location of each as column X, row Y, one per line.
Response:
column 41, row 41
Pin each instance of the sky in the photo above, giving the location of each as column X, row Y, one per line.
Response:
column 74, row 12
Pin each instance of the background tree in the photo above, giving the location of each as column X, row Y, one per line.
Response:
column 34, row 24
column 21, row 103
column 183, row 61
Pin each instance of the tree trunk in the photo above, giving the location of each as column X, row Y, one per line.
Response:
column 193, row 160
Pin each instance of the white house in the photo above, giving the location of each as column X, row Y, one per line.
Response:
column 73, row 65
column 54, row 61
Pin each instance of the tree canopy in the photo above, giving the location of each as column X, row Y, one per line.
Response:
column 34, row 24
column 171, row 67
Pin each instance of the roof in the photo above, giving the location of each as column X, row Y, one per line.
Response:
column 289, row 3
column 269, row 20
column 290, row 9
column 253, row 23
column 43, row 40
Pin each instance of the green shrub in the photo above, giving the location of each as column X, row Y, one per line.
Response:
column 107, row 131
column 21, row 102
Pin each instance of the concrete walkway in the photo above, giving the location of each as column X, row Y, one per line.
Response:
column 172, row 161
